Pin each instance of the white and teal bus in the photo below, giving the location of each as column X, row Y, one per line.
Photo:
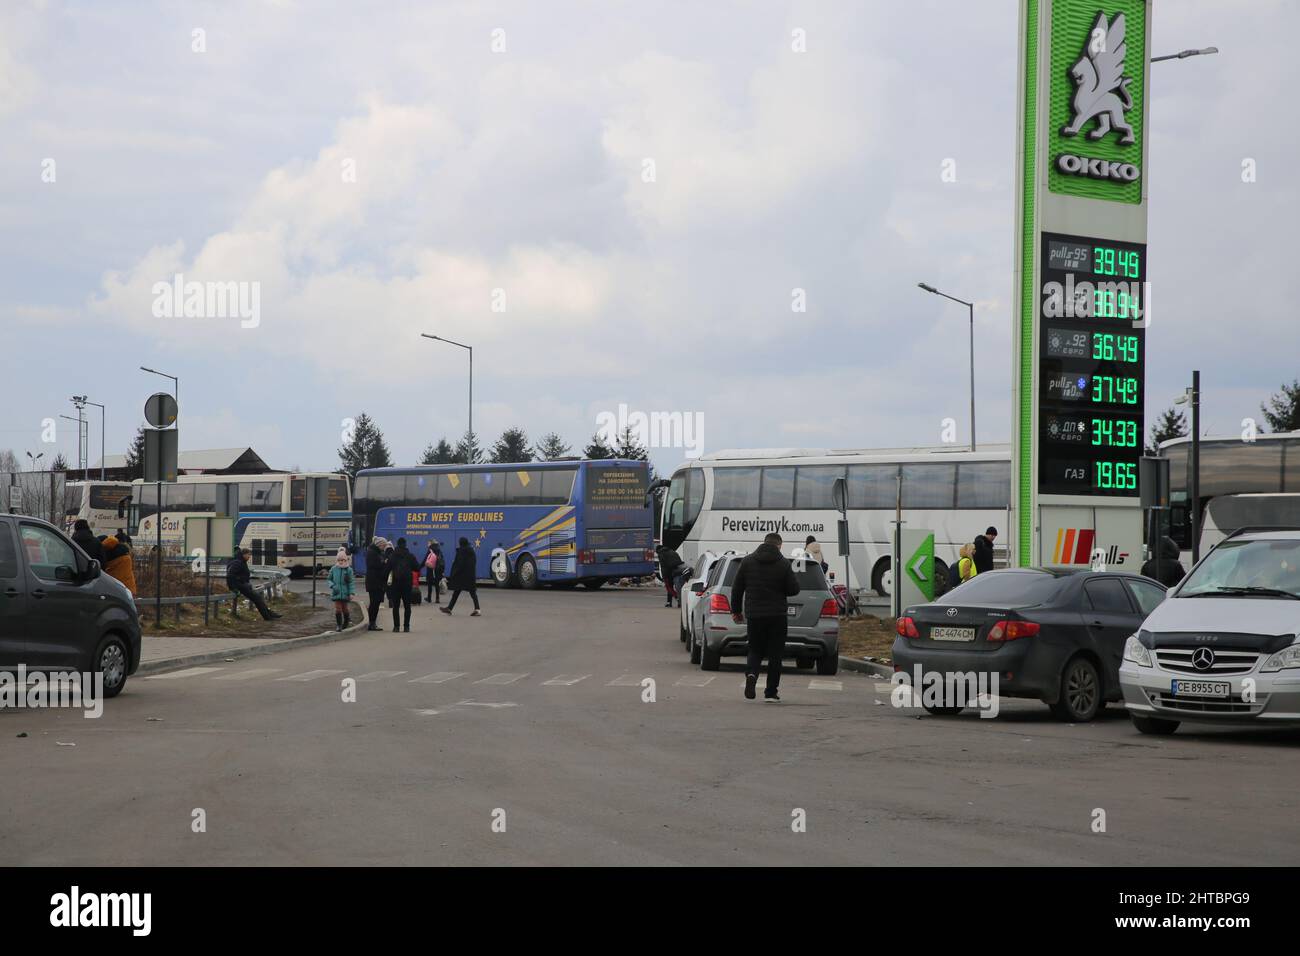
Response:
column 271, row 521
column 731, row 499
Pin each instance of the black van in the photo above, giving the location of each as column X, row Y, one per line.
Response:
column 59, row 611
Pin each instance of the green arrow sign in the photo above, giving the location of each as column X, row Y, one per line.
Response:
column 920, row 567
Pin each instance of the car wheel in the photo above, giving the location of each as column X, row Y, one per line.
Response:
column 828, row 664
column 594, row 585
column 694, row 647
column 112, row 661
column 709, row 660
column 1080, row 697
column 1154, row 725
column 938, row 710
column 683, row 635
column 527, row 573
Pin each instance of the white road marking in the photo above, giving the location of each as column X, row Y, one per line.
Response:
column 188, row 672
column 441, row 677
column 426, row 713
column 485, row 703
column 249, row 674
column 627, row 680
column 816, row 684
column 696, row 680
column 311, row 675
column 379, row 675
column 565, row 680
column 501, row 679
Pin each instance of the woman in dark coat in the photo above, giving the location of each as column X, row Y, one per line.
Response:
column 376, row 578
column 463, row 577
column 403, row 569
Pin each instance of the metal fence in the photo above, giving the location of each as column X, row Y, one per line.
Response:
column 42, row 494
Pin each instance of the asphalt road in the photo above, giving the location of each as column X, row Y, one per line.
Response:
column 533, row 716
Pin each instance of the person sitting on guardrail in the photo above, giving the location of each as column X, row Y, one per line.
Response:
column 118, row 563
column 239, row 580
column 343, row 584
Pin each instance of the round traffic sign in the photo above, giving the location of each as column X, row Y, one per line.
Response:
column 160, row 410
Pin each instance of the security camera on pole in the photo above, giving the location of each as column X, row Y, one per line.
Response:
column 160, row 444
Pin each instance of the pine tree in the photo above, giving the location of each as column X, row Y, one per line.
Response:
column 468, row 451
column 552, row 447
column 512, row 446
column 597, row 448
column 60, row 463
column 439, row 454
column 135, row 455
column 1172, row 424
column 629, row 447
column 1284, row 413
column 367, row 449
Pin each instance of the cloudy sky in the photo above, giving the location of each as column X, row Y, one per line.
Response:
column 380, row 170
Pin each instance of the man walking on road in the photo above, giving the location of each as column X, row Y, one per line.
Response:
column 984, row 550
column 763, row 582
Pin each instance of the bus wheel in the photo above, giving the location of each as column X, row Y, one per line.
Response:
column 593, row 585
column 527, row 573
column 882, row 577
column 940, row 578
column 501, row 576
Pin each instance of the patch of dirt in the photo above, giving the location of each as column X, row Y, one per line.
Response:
column 867, row 636
column 299, row 619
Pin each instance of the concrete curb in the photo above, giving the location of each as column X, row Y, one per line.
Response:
column 270, row 647
column 866, row 667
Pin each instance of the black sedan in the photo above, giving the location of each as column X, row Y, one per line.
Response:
column 1046, row 634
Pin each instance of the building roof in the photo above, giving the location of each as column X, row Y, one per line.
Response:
column 204, row 460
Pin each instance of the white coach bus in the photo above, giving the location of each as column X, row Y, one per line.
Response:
column 731, row 499
column 99, row 503
column 271, row 521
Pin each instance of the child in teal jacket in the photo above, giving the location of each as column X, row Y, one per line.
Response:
column 343, row 584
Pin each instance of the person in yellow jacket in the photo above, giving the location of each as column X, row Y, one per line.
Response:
column 118, row 563
column 966, row 564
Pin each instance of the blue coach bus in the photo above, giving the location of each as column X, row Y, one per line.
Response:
column 562, row 523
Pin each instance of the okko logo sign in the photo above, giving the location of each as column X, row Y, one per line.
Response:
column 1096, row 107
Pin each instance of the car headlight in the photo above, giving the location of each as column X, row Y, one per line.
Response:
column 1285, row 658
column 1136, row 652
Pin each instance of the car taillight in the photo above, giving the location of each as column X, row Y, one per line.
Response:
column 586, row 557
column 830, row 608
column 718, row 604
column 907, row 627
column 1012, row 630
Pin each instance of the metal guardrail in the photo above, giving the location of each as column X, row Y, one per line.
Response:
column 271, row 586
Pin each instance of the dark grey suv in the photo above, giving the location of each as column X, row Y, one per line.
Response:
column 59, row 611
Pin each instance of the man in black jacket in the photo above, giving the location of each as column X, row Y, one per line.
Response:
column 1165, row 566
column 463, row 577
column 984, row 550
column 763, row 582
column 239, row 580
column 376, row 578
column 82, row 538
column 404, row 567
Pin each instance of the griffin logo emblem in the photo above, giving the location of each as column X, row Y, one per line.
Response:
column 1101, row 89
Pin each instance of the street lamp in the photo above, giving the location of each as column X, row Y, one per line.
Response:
column 80, row 402
column 103, row 413
column 971, row 306
column 36, row 459
column 79, row 422
column 176, row 383
column 1184, row 54
column 470, row 349
column 1192, row 396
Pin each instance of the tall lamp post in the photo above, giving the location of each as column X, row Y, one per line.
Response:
column 103, row 414
column 1184, row 54
column 176, row 383
column 80, row 421
column 470, row 349
column 1192, row 396
column 971, row 306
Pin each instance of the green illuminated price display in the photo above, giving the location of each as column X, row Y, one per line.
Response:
column 1091, row 365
